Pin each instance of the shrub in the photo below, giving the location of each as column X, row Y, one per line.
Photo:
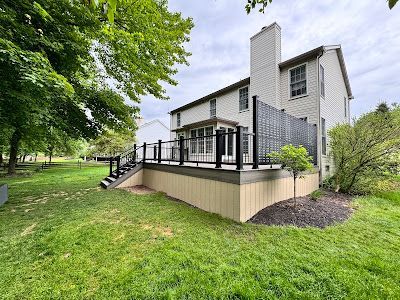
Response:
column 317, row 194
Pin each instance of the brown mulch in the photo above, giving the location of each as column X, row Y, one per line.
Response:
column 140, row 190
column 331, row 208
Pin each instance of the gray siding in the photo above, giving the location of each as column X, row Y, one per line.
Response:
column 332, row 106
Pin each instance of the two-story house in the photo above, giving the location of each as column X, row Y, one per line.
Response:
column 313, row 86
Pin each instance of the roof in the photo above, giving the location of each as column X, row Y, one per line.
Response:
column 207, row 122
column 220, row 92
column 152, row 122
column 287, row 63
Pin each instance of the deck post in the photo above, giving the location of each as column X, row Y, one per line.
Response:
column 239, row 147
column 159, row 151
column 255, row 132
column 181, row 151
column 219, row 144
column 111, row 165
column 118, row 165
column 144, row 151
column 134, row 153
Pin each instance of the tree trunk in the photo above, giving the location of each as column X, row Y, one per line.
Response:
column 50, row 155
column 35, row 156
column 1, row 158
column 14, row 145
column 294, row 191
column 23, row 158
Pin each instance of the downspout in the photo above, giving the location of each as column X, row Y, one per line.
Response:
column 319, row 139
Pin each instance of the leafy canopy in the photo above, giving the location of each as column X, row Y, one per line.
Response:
column 365, row 147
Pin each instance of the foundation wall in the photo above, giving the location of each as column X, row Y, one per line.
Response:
column 237, row 195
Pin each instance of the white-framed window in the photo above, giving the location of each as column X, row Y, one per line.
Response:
column 200, row 140
column 230, row 141
column 323, row 135
column 345, row 107
column 245, row 140
column 322, row 80
column 244, row 98
column 209, row 139
column 298, row 81
column 178, row 119
column 193, row 142
column 213, row 108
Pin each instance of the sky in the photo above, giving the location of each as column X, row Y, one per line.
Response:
column 220, row 43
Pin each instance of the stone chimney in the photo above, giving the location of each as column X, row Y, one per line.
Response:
column 265, row 56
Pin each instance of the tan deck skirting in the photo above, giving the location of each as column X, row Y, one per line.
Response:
column 237, row 195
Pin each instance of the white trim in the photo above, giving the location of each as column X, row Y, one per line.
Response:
column 307, row 81
column 248, row 98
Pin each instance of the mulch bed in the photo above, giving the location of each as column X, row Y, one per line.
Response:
column 331, row 208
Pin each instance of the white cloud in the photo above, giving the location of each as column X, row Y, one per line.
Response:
column 367, row 30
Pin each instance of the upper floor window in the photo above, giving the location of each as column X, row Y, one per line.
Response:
column 244, row 98
column 298, row 81
column 323, row 135
column 178, row 120
column 322, row 80
column 213, row 108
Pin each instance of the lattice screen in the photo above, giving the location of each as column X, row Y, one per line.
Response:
column 277, row 128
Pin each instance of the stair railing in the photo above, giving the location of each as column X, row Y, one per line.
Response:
column 131, row 156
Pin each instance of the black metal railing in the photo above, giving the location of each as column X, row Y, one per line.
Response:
column 272, row 129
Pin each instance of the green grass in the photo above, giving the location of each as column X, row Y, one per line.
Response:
column 62, row 237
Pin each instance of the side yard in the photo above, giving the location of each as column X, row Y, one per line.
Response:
column 61, row 236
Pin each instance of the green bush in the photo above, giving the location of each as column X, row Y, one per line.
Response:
column 317, row 194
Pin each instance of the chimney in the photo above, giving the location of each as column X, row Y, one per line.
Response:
column 265, row 56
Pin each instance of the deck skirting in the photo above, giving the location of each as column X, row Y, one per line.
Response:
column 237, row 195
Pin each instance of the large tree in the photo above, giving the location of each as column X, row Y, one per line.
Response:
column 56, row 55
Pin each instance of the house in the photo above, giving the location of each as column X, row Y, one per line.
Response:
column 151, row 131
column 313, row 86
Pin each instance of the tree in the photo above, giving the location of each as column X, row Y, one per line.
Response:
column 111, row 143
column 262, row 4
column 295, row 160
column 50, row 77
column 364, row 147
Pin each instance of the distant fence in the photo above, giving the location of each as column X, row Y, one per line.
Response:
column 277, row 129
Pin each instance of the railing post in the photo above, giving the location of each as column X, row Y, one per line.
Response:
column 159, row 151
column 239, row 147
column 181, row 150
column 155, row 152
column 255, row 132
column 134, row 153
column 219, row 143
column 144, row 151
column 111, row 165
column 118, row 165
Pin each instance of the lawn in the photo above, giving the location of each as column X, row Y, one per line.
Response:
column 61, row 236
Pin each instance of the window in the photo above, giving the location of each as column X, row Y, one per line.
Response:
column 178, row 119
column 223, row 140
column 230, row 141
column 322, row 80
column 298, row 81
column 345, row 107
column 209, row 139
column 327, row 169
column 244, row 98
column 323, row 134
column 304, row 119
column 245, row 140
column 213, row 108
column 193, row 142
column 200, row 140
